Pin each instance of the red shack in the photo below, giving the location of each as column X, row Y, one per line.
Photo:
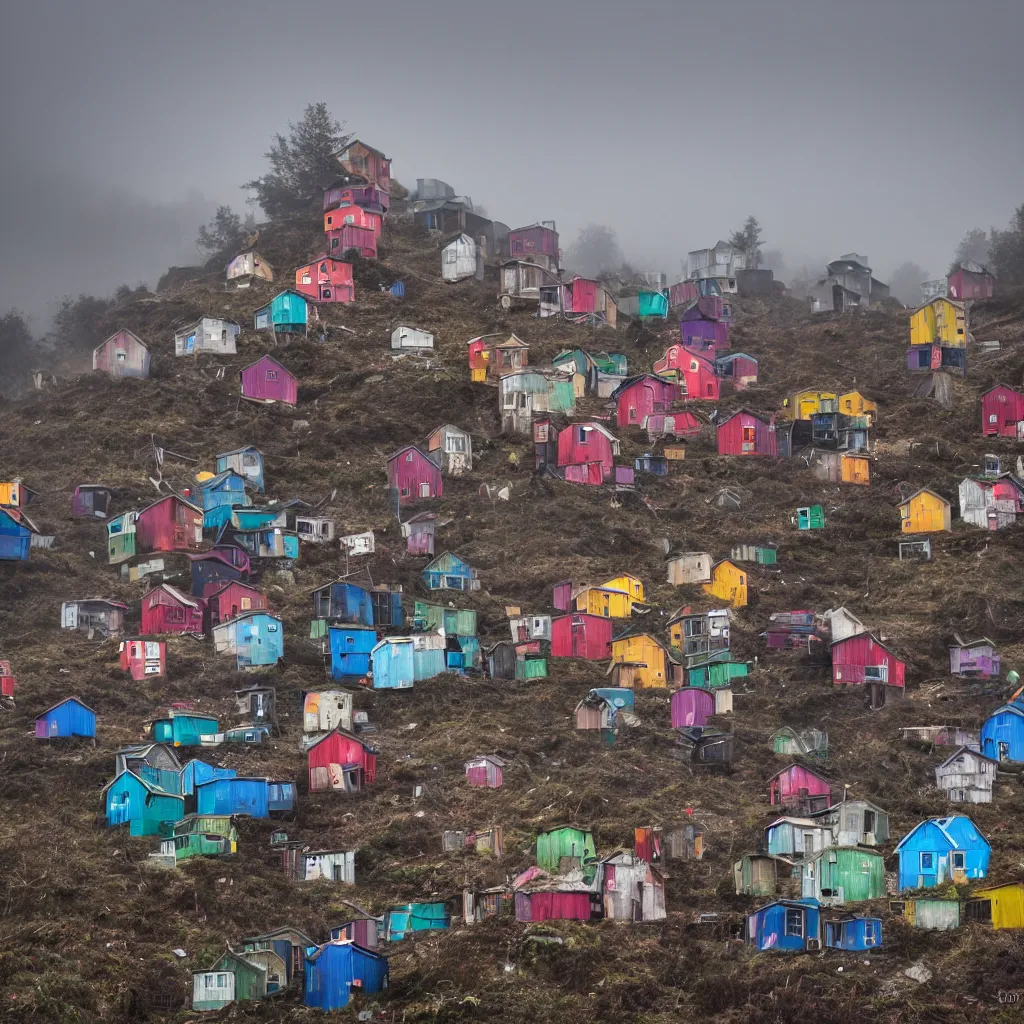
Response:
column 7, row 680
column 352, row 216
column 970, row 281
column 638, row 397
column 695, row 371
column 746, row 433
column 165, row 609
column 350, row 236
column 232, row 599
column 583, row 444
column 143, row 658
column 862, row 659
column 341, row 761
column 169, row 524
column 267, row 381
column 581, row 635
column 327, row 279
column 800, row 788
column 536, row 240
column 1002, row 412
column 368, row 163
column 413, row 475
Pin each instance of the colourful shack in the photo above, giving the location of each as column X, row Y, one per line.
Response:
column 337, row 969
column 68, row 718
column 942, row 850
column 747, row 433
column 267, row 381
column 1002, row 412
column 925, row 512
column 581, row 635
column 340, row 761
column 728, row 583
column 641, row 396
column 286, row 313
column 801, row 788
column 413, row 475
column 142, row 805
column 165, row 609
column 169, row 524
column 123, row 354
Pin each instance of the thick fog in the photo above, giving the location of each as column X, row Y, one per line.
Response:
column 885, row 128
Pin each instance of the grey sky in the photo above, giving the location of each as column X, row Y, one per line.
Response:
column 886, row 128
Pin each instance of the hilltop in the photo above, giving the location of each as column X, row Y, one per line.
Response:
column 88, row 932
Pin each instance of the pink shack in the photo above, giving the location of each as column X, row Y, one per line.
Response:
column 800, row 788
column 122, row 355
column 413, row 475
column 267, row 381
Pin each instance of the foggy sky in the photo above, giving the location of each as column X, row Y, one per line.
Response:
column 885, row 128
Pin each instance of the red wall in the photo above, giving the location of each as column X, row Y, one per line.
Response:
column 596, row 448
column 340, row 240
column 337, row 276
column 730, row 435
column 1007, row 406
column 167, row 526
column 964, row 285
column 851, row 655
column 338, row 749
column 643, row 398
column 404, row 475
column 552, row 906
column 162, row 614
column 223, row 605
column 589, row 638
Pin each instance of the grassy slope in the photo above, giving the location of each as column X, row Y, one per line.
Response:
column 85, row 927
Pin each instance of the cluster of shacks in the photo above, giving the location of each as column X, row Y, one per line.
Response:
column 821, row 851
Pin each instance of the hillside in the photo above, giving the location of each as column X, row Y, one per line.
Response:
column 87, row 930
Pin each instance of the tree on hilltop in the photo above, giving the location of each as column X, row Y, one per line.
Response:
column 748, row 241
column 225, row 231
column 301, row 165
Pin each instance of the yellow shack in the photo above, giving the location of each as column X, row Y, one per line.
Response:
column 609, row 602
column 802, row 405
column 853, row 403
column 645, row 659
column 630, row 584
column 728, row 583
column 940, row 321
column 1001, row 906
column 856, row 469
column 925, row 512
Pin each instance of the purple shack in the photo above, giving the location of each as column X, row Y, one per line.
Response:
column 267, row 381
column 976, row 659
column 537, row 243
column 701, row 332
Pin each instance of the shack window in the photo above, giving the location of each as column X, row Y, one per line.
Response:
column 876, row 673
column 927, row 861
column 271, row 374
column 958, row 860
column 794, row 923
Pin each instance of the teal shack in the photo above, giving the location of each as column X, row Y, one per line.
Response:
column 393, row 663
column 286, row 313
column 141, row 805
column 712, row 674
column 219, row 495
column 184, row 730
column 843, row 874
column 650, row 305
column 416, row 917
column 812, row 517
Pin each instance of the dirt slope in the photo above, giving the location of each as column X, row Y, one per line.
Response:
column 86, row 930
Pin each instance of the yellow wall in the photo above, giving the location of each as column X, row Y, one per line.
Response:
column 598, row 601
column 853, row 403
column 1007, row 905
column 630, row 584
column 925, row 513
column 939, row 322
column 856, row 469
column 729, row 583
column 647, row 654
column 803, row 404
column 9, row 494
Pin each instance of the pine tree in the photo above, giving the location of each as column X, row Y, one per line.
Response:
column 301, row 166
column 749, row 242
column 225, row 231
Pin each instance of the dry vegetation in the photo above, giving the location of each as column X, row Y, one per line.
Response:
column 87, row 931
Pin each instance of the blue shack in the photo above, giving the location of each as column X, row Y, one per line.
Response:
column 255, row 639
column 15, row 536
column 449, row 572
column 393, row 663
column 650, row 463
column 219, row 495
column 351, row 647
column 343, row 602
column 166, row 779
column 790, row 926
column 852, row 932
column 282, row 799
column 196, row 772
column 247, row 462
column 286, row 313
column 462, row 652
column 68, row 718
column 250, row 797
column 215, row 567
column 183, row 729
column 1002, row 735
column 334, row 969
column 143, row 806
column 942, row 850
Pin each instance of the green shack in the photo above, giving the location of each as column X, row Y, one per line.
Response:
column 184, row 730
column 231, row 979
column 142, row 805
column 531, row 667
column 557, row 844
column 454, row 621
column 757, row 874
column 844, row 874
